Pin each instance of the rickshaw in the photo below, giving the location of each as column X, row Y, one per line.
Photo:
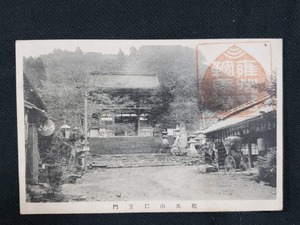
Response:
column 235, row 159
column 207, row 161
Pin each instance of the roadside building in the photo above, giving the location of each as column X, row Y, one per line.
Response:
column 35, row 117
column 254, row 122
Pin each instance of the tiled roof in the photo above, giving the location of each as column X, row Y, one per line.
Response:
column 222, row 124
column 41, row 112
column 245, row 106
column 123, row 80
column 230, row 121
column 65, row 126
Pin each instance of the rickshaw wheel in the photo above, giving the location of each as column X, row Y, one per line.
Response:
column 230, row 165
column 201, row 166
column 244, row 166
column 207, row 166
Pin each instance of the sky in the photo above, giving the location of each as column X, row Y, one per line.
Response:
column 39, row 47
column 210, row 48
column 260, row 51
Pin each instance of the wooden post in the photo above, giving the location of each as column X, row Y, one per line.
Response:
column 138, row 122
column 85, row 129
column 250, row 154
column 32, row 156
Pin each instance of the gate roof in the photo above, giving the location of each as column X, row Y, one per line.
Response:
column 123, row 80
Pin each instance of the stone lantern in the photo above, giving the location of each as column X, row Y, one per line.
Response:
column 165, row 136
column 66, row 130
column 165, row 142
column 192, row 143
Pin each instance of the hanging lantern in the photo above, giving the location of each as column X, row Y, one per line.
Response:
column 47, row 128
column 66, row 130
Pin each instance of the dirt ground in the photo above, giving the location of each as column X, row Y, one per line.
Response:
column 164, row 183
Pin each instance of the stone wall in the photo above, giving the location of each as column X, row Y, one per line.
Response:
column 138, row 160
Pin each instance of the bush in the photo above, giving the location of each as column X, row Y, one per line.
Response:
column 47, row 193
column 54, row 152
column 267, row 168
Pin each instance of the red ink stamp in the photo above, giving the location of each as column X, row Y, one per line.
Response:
column 229, row 75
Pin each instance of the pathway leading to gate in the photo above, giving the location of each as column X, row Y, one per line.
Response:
column 164, row 183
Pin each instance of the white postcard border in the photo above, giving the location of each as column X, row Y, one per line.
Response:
column 149, row 206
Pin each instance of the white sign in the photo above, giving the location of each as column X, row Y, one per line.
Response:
column 86, row 148
column 170, row 132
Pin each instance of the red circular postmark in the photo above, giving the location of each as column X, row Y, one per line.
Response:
column 231, row 80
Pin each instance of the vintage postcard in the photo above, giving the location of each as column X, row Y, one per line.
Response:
column 121, row 126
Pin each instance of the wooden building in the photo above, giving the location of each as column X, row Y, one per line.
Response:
column 254, row 122
column 35, row 115
column 122, row 119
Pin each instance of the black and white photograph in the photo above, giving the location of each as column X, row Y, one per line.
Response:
column 110, row 126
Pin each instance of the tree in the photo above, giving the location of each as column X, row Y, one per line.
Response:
column 270, row 86
column 174, row 66
column 35, row 70
column 64, row 103
column 133, row 52
column 78, row 51
column 121, row 53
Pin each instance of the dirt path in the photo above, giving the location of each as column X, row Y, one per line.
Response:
column 167, row 183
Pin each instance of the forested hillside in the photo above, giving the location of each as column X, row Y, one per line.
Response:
column 59, row 75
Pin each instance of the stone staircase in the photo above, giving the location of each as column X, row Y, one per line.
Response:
column 132, row 152
column 124, row 145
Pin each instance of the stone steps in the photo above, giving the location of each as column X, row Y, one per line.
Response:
column 124, row 145
column 138, row 160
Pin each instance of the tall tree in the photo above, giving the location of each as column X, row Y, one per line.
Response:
column 35, row 70
column 121, row 53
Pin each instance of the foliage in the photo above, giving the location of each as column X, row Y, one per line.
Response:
column 55, row 176
column 174, row 102
column 64, row 103
column 51, row 193
column 270, row 86
column 54, row 152
column 121, row 128
column 59, row 74
column 267, row 168
column 220, row 98
column 35, row 70
column 101, row 100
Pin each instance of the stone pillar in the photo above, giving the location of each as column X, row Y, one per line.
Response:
column 192, row 143
column 113, row 124
column 261, row 145
column 138, row 123
column 32, row 156
column 183, row 142
column 165, row 143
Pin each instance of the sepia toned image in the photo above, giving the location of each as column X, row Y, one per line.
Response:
column 110, row 126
